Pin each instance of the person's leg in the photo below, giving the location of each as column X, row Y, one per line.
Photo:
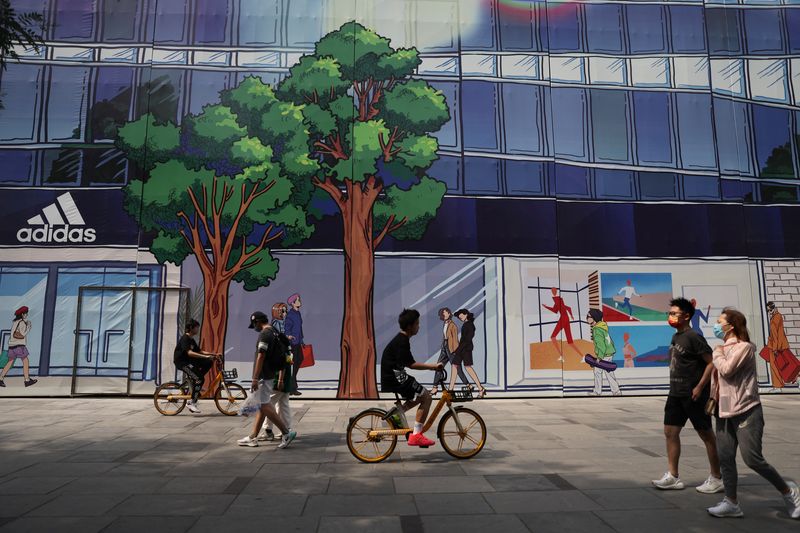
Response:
column 613, row 383
column 26, row 369
column 297, row 360
column 598, row 381
column 710, row 441
column 575, row 349
column 475, row 378
column 456, row 369
column 777, row 380
column 268, row 410
column 195, row 379
column 424, row 407
column 438, row 376
column 284, row 409
column 726, row 450
column 462, row 376
column 673, row 437
column 750, row 431
column 6, row 369
column 557, row 345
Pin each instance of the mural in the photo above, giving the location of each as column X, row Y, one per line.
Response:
column 559, row 169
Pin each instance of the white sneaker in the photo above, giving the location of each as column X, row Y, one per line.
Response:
column 266, row 435
column 726, row 509
column 793, row 500
column 193, row 407
column 668, row 482
column 248, row 441
column 287, row 439
column 711, row 486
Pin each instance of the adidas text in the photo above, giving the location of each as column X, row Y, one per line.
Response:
column 44, row 234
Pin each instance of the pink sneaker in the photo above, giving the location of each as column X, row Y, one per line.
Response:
column 421, row 440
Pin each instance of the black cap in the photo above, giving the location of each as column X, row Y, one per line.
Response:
column 257, row 316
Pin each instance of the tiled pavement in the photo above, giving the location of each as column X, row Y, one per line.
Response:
column 87, row 465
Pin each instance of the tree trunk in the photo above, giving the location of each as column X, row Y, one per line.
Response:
column 215, row 321
column 357, row 374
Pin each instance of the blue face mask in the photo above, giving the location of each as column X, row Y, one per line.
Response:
column 718, row 331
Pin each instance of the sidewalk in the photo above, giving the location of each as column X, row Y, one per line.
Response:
column 87, row 465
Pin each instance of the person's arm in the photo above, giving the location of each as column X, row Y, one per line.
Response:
column 551, row 309
column 568, row 309
column 633, row 350
column 289, row 326
column 426, row 366
column 730, row 363
column 701, row 385
column 257, row 370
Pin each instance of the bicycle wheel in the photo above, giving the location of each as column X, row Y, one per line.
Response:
column 466, row 444
column 370, row 449
column 173, row 406
column 229, row 402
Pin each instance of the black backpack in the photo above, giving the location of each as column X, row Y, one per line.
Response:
column 275, row 358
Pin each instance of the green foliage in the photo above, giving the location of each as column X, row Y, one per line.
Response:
column 417, row 205
column 356, row 49
column 419, row 152
column 416, row 107
column 263, row 269
column 146, row 142
column 169, row 248
column 314, row 80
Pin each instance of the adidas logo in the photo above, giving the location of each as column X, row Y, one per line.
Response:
column 58, row 225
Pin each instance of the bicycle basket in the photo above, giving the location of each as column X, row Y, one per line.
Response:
column 230, row 375
column 463, row 395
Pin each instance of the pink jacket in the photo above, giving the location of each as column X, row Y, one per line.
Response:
column 734, row 382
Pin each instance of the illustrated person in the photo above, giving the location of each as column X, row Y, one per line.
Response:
column 628, row 351
column 463, row 353
column 18, row 346
column 449, row 345
column 293, row 329
column 698, row 316
column 394, row 378
column 776, row 342
column 564, row 313
column 262, row 386
column 740, row 418
column 628, row 292
column 192, row 361
column 282, row 384
column 604, row 350
column 690, row 369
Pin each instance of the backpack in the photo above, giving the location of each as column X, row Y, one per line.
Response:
column 275, row 358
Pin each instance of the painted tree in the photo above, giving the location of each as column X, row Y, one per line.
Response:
column 222, row 187
column 369, row 129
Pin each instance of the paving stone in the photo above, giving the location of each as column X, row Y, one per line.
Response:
column 361, row 505
column 419, row 485
column 456, row 503
column 79, row 505
column 521, row 482
column 540, row 501
column 174, row 505
column 60, row 524
column 151, row 524
column 640, row 498
column 563, row 522
column 266, row 505
column 217, row 524
column 349, row 524
column 13, row 505
column 32, row 485
column 473, row 524
column 361, row 485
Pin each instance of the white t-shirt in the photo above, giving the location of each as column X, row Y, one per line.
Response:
column 22, row 327
column 628, row 291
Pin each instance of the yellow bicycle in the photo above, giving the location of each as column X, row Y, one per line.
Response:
column 372, row 433
column 170, row 398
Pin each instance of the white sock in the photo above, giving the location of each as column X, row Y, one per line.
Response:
column 417, row 428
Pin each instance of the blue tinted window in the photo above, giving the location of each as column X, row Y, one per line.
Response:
column 446, row 169
column 722, row 26
column 695, row 131
column 610, row 125
column 20, row 90
column 522, row 112
column 448, row 134
column 569, row 122
column 211, row 21
column 304, row 22
column 481, row 175
column 111, row 106
column 658, row 185
column 772, row 127
column 161, row 95
column 121, row 19
column 793, row 29
column 733, row 189
column 169, row 22
column 564, row 30
column 478, row 34
column 525, row 178
column 604, row 28
column 15, row 166
column 701, row 187
column 571, row 181
column 259, row 21
column 614, row 184
column 67, row 107
column 479, row 115
column 652, row 117
column 763, row 31
column 646, row 28
column 687, row 28
column 732, row 126
column 205, row 88
column 518, row 30
column 74, row 20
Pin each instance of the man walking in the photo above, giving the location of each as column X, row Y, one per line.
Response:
column 690, row 370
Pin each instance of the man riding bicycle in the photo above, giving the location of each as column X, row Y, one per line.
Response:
column 396, row 358
column 192, row 361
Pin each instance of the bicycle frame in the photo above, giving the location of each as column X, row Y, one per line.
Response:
column 446, row 399
column 212, row 386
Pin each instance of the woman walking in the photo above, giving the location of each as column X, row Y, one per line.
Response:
column 740, row 418
column 449, row 345
column 17, row 346
column 463, row 353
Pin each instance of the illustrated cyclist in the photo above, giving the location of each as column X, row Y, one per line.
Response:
column 396, row 358
column 192, row 361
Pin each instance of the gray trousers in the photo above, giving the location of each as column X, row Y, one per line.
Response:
column 744, row 431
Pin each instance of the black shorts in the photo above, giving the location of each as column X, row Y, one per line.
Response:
column 679, row 409
column 462, row 359
column 409, row 389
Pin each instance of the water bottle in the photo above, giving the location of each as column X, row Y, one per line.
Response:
column 397, row 417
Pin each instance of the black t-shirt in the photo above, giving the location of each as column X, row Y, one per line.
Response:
column 266, row 338
column 185, row 344
column 396, row 358
column 686, row 364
